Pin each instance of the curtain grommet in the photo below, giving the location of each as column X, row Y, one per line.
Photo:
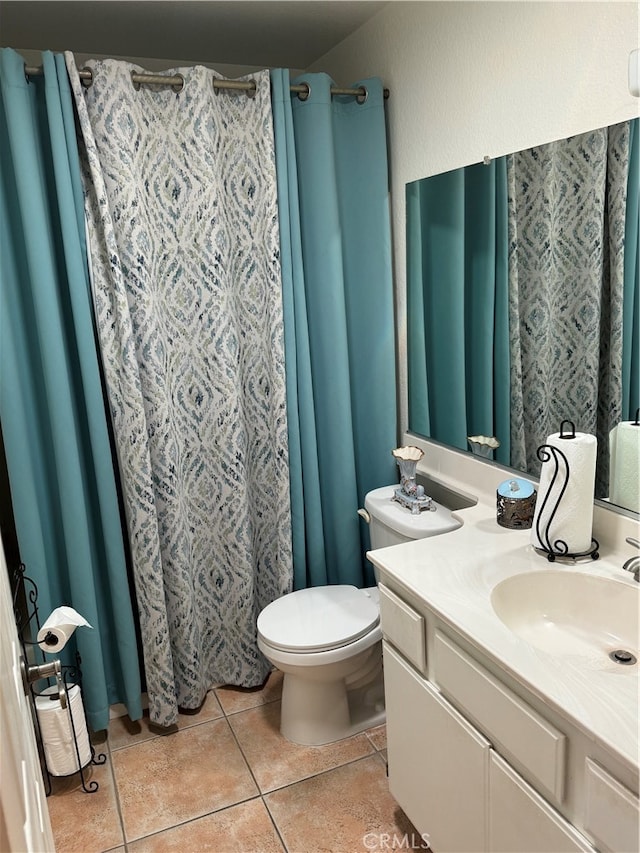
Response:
column 86, row 77
column 364, row 96
column 251, row 93
column 134, row 82
column 178, row 87
column 304, row 96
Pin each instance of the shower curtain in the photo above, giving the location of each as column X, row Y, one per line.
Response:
column 631, row 309
column 457, row 306
column 333, row 202
column 180, row 193
column 567, row 205
column 54, row 421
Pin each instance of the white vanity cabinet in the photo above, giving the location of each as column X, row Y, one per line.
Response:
column 480, row 766
column 438, row 763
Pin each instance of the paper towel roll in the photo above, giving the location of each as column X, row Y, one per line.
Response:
column 58, row 628
column 573, row 519
column 624, row 465
column 57, row 734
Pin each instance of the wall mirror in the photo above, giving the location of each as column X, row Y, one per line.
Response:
column 522, row 300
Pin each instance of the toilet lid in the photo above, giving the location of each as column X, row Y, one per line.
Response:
column 318, row 618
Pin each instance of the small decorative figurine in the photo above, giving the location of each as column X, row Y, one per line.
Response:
column 483, row 445
column 410, row 494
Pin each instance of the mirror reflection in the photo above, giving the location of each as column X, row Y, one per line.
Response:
column 522, row 300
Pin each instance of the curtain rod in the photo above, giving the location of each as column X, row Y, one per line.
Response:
column 177, row 82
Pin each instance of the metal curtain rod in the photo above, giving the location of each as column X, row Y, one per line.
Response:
column 177, row 82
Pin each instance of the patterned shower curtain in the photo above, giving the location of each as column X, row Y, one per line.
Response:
column 180, row 194
column 567, row 204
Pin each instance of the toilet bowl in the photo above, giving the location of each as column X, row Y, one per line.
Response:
column 327, row 640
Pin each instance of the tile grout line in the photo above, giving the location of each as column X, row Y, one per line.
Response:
column 260, row 793
column 275, row 825
column 374, row 754
column 156, row 735
column 116, row 794
column 246, row 760
column 192, row 820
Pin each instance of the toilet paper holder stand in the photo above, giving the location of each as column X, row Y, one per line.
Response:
column 559, row 478
column 25, row 607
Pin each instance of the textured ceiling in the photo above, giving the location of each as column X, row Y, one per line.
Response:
column 290, row 34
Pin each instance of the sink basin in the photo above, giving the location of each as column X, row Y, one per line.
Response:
column 571, row 613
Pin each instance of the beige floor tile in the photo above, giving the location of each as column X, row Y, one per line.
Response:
column 235, row 699
column 378, row 737
column 275, row 761
column 125, row 732
column 246, row 827
column 172, row 779
column 346, row 810
column 83, row 822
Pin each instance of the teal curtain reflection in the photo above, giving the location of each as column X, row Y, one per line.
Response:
column 339, row 319
column 631, row 310
column 51, row 406
column 457, row 306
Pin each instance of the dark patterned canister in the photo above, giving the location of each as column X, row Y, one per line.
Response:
column 516, row 502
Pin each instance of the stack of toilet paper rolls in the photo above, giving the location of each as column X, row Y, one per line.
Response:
column 57, row 733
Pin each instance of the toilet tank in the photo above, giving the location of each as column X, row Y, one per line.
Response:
column 390, row 523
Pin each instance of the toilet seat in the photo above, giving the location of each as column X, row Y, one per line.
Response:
column 318, row 619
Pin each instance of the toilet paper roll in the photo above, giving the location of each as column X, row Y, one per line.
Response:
column 572, row 522
column 57, row 734
column 624, row 465
column 58, row 628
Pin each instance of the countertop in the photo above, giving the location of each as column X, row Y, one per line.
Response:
column 454, row 575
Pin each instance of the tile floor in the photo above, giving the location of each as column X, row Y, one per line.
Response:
column 228, row 781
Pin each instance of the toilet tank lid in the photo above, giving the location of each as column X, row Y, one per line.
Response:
column 321, row 617
column 379, row 504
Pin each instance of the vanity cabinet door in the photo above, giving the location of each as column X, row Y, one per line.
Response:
column 521, row 821
column 438, row 763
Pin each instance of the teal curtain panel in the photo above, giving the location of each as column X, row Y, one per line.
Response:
column 339, row 319
column 51, row 404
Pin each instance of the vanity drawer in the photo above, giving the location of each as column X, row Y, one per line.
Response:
column 403, row 626
column 519, row 732
column 611, row 812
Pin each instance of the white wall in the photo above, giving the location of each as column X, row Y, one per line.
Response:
column 470, row 79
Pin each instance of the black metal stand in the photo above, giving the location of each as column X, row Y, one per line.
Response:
column 25, row 606
column 559, row 478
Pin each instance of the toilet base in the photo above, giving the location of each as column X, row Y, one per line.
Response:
column 318, row 712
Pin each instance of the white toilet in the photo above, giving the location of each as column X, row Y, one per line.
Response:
column 327, row 640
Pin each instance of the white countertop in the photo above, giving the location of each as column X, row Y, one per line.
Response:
column 454, row 575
